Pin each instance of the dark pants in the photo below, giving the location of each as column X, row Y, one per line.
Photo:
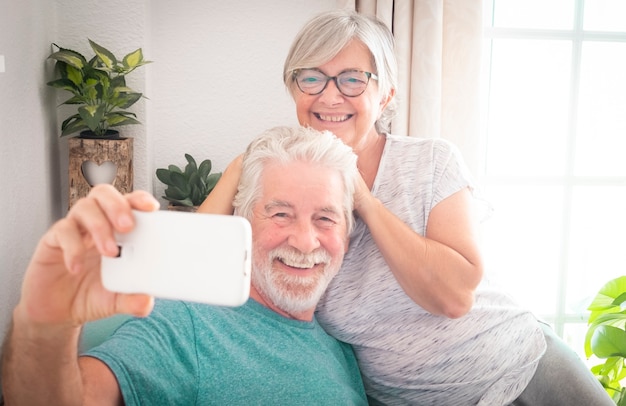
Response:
column 562, row 379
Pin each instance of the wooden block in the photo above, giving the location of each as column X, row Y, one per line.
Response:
column 118, row 151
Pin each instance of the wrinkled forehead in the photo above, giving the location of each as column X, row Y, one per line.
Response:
column 301, row 185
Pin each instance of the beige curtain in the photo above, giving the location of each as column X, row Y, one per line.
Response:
column 439, row 56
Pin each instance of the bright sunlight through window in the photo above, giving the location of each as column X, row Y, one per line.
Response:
column 554, row 135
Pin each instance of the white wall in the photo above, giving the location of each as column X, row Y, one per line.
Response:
column 215, row 84
column 29, row 167
column 217, row 78
column 121, row 27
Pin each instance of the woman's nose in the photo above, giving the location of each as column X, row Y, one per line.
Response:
column 331, row 93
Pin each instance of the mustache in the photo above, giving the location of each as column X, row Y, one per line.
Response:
column 297, row 259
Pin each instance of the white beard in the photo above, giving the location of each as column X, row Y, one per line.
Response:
column 292, row 294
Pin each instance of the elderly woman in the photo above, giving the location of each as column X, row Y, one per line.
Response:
column 409, row 296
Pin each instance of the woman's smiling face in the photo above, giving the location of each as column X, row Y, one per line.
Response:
column 349, row 118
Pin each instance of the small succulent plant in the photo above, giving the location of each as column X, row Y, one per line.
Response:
column 191, row 186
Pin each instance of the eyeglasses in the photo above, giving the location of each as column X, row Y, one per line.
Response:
column 351, row 83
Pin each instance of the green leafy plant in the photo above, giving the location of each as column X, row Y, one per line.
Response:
column 191, row 186
column 98, row 87
column 606, row 337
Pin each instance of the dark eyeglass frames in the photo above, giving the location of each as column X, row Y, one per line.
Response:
column 351, row 83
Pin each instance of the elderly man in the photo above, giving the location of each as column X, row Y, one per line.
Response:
column 296, row 190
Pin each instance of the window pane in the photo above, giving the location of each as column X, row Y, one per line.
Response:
column 601, row 139
column 598, row 240
column 528, row 107
column 522, row 243
column 544, row 14
column 605, row 15
column 556, row 111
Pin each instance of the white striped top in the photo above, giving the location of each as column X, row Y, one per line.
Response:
column 407, row 355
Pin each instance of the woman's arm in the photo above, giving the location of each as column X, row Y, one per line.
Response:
column 220, row 200
column 439, row 272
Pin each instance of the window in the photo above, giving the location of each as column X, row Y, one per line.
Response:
column 554, row 137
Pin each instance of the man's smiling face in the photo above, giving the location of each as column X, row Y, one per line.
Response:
column 299, row 231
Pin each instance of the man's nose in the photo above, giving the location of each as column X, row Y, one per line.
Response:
column 304, row 237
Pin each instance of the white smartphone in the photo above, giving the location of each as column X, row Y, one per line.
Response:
column 186, row 256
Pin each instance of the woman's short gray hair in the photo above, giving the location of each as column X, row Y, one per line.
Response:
column 289, row 144
column 323, row 37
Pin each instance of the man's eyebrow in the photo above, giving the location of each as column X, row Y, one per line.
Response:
column 281, row 204
column 278, row 204
column 330, row 210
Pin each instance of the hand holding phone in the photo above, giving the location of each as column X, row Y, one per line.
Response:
column 186, row 256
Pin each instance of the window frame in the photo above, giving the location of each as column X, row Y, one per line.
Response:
column 577, row 36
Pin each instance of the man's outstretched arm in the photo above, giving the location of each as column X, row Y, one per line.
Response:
column 61, row 291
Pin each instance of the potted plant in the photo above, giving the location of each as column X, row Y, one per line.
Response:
column 186, row 189
column 606, row 337
column 98, row 87
column 99, row 90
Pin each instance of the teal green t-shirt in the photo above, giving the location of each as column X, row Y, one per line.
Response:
column 195, row 354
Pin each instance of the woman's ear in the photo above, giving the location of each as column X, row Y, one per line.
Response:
column 385, row 101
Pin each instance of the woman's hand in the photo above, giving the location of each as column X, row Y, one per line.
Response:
column 362, row 196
